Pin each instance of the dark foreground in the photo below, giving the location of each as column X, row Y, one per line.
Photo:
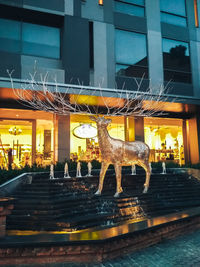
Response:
column 183, row 251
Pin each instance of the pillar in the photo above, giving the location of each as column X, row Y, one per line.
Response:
column 104, row 54
column 62, row 138
column 154, row 39
column 33, row 141
column 129, row 128
column 139, row 128
column 185, row 142
column 192, row 127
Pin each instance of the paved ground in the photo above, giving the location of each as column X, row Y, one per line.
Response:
column 183, row 251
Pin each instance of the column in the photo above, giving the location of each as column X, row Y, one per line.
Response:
column 185, row 142
column 194, row 34
column 62, row 138
column 129, row 129
column 33, row 141
column 104, row 55
column 192, row 140
column 154, row 40
column 139, row 128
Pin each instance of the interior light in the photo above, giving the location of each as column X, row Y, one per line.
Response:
column 85, row 131
column 15, row 130
column 196, row 13
column 101, row 2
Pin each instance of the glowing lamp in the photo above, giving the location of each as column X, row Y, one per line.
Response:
column 15, row 131
column 85, row 131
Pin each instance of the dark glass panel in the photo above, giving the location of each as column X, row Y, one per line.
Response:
column 10, row 34
column 176, row 61
column 130, row 48
column 176, row 76
column 176, row 7
column 171, row 19
column 131, row 71
column 136, row 2
column 91, row 43
column 129, row 9
column 131, row 54
column 176, row 55
column 40, row 40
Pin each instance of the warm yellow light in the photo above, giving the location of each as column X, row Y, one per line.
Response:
column 101, row 2
column 15, row 130
column 169, row 141
column 85, row 131
column 196, row 14
column 84, row 99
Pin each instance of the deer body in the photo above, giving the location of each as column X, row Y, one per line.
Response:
column 120, row 153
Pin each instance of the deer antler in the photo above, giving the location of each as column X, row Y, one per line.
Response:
column 45, row 96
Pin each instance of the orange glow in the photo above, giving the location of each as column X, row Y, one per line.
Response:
column 196, row 14
column 101, row 2
column 165, row 106
column 96, row 101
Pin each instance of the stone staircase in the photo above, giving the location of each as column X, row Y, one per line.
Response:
column 69, row 204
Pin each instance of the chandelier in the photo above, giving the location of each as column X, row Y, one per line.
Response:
column 15, row 131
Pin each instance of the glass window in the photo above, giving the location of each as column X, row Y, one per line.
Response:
column 40, row 40
column 131, row 54
column 130, row 7
column 176, row 60
column 171, row 19
column 176, row 7
column 173, row 12
column 10, row 34
column 16, row 149
column 165, row 139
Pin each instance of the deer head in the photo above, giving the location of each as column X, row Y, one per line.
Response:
column 101, row 121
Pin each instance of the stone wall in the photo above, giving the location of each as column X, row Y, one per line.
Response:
column 95, row 251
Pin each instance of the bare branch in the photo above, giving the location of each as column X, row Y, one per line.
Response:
column 40, row 96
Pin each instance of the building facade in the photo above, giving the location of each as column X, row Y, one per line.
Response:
column 102, row 43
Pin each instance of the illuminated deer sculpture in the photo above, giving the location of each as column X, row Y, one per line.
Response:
column 127, row 103
column 119, row 153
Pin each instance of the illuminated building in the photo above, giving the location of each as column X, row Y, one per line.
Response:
column 104, row 43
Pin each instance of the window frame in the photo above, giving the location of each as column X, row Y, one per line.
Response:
column 124, row 64
column 174, row 70
column 176, row 15
column 131, row 4
column 20, row 52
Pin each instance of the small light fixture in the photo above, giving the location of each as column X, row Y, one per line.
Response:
column 101, row 2
column 85, row 131
column 15, row 131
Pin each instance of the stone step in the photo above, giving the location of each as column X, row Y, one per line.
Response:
column 69, row 204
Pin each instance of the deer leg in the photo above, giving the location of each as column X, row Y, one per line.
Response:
column 118, row 173
column 146, row 166
column 104, row 167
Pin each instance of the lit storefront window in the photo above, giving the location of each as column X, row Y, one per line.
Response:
column 44, row 142
column 31, row 134
column 16, row 143
column 165, row 139
column 84, row 145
